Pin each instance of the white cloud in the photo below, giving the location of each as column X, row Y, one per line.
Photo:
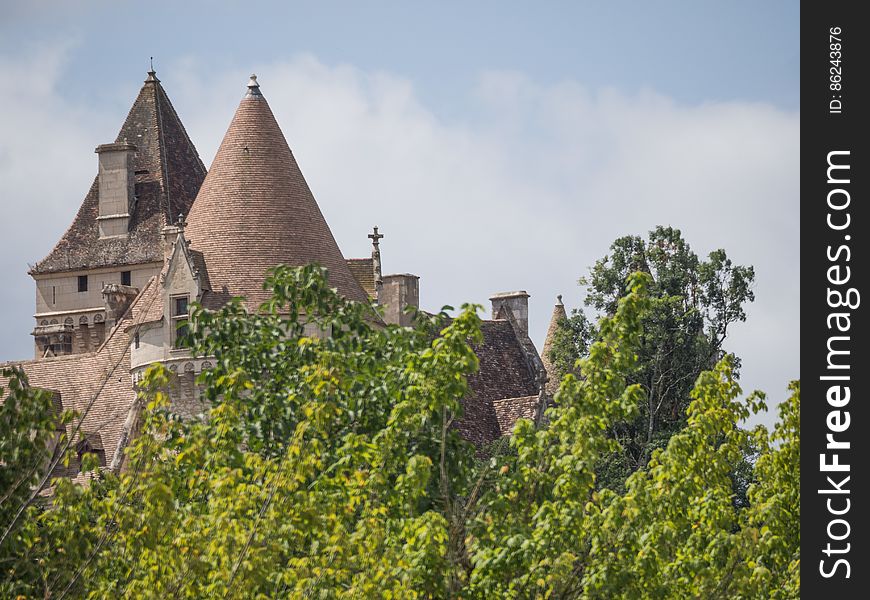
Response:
column 46, row 166
column 524, row 194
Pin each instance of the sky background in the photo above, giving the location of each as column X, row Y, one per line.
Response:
column 498, row 145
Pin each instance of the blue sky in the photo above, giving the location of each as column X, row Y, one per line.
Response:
column 499, row 145
column 693, row 51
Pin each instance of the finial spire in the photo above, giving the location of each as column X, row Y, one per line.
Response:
column 253, row 88
column 559, row 298
column 180, row 220
column 376, row 258
column 152, row 74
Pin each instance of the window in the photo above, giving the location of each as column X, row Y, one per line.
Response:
column 91, row 443
column 53, row 295
column 83, row 283
column 125, row 278
column 136, row 341
column 179, row 316
column 66, row 344
column 59, row 345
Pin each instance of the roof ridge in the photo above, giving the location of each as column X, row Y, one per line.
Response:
column 160, row 106
column 139, row 296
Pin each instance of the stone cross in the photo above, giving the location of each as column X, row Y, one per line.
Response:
column 374, row 237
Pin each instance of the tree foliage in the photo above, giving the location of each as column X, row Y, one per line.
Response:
column 27, row 422
column 693, row 302
column 327, row 466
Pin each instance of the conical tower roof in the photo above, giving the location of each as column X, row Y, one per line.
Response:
column 556, row 321
column 169, row 173
column 255, row 211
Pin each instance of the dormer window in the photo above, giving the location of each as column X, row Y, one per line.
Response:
column 91, row 443
column 178, row 319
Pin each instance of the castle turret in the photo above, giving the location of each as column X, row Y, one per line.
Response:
column 145, row 178
column 255, row 211
column 557, row 321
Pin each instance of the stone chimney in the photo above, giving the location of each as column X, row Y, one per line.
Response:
column 116, row 188
column 117, row 299
column 396, row 294
column 514, row 308
column 518, row 303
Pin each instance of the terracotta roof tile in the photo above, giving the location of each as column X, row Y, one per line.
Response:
column 148, row 305
column 198, row 260
column 363, row 271
column 255, row 211
column 101, row 378
column 169, row 174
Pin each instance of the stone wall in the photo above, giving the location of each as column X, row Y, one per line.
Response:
column 59, row 301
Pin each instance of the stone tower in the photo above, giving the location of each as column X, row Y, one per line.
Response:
column 145, row 179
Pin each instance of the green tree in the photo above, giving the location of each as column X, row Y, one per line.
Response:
column 27, row 426
column 33, row 439
column 693, row 302
column 327, row 462
column 328, row 467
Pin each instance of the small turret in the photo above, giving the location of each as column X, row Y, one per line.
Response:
column 558, row 320
column 255, row 211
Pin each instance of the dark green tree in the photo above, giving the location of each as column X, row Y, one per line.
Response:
column 693, row 304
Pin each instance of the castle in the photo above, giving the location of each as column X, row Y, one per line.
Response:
column 157, row 231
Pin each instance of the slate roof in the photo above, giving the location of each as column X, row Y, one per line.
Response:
column 255, row 211
column 363, row 271
column 169, row 173
column 504, row 378
column 508, row 410
column 558, row 317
